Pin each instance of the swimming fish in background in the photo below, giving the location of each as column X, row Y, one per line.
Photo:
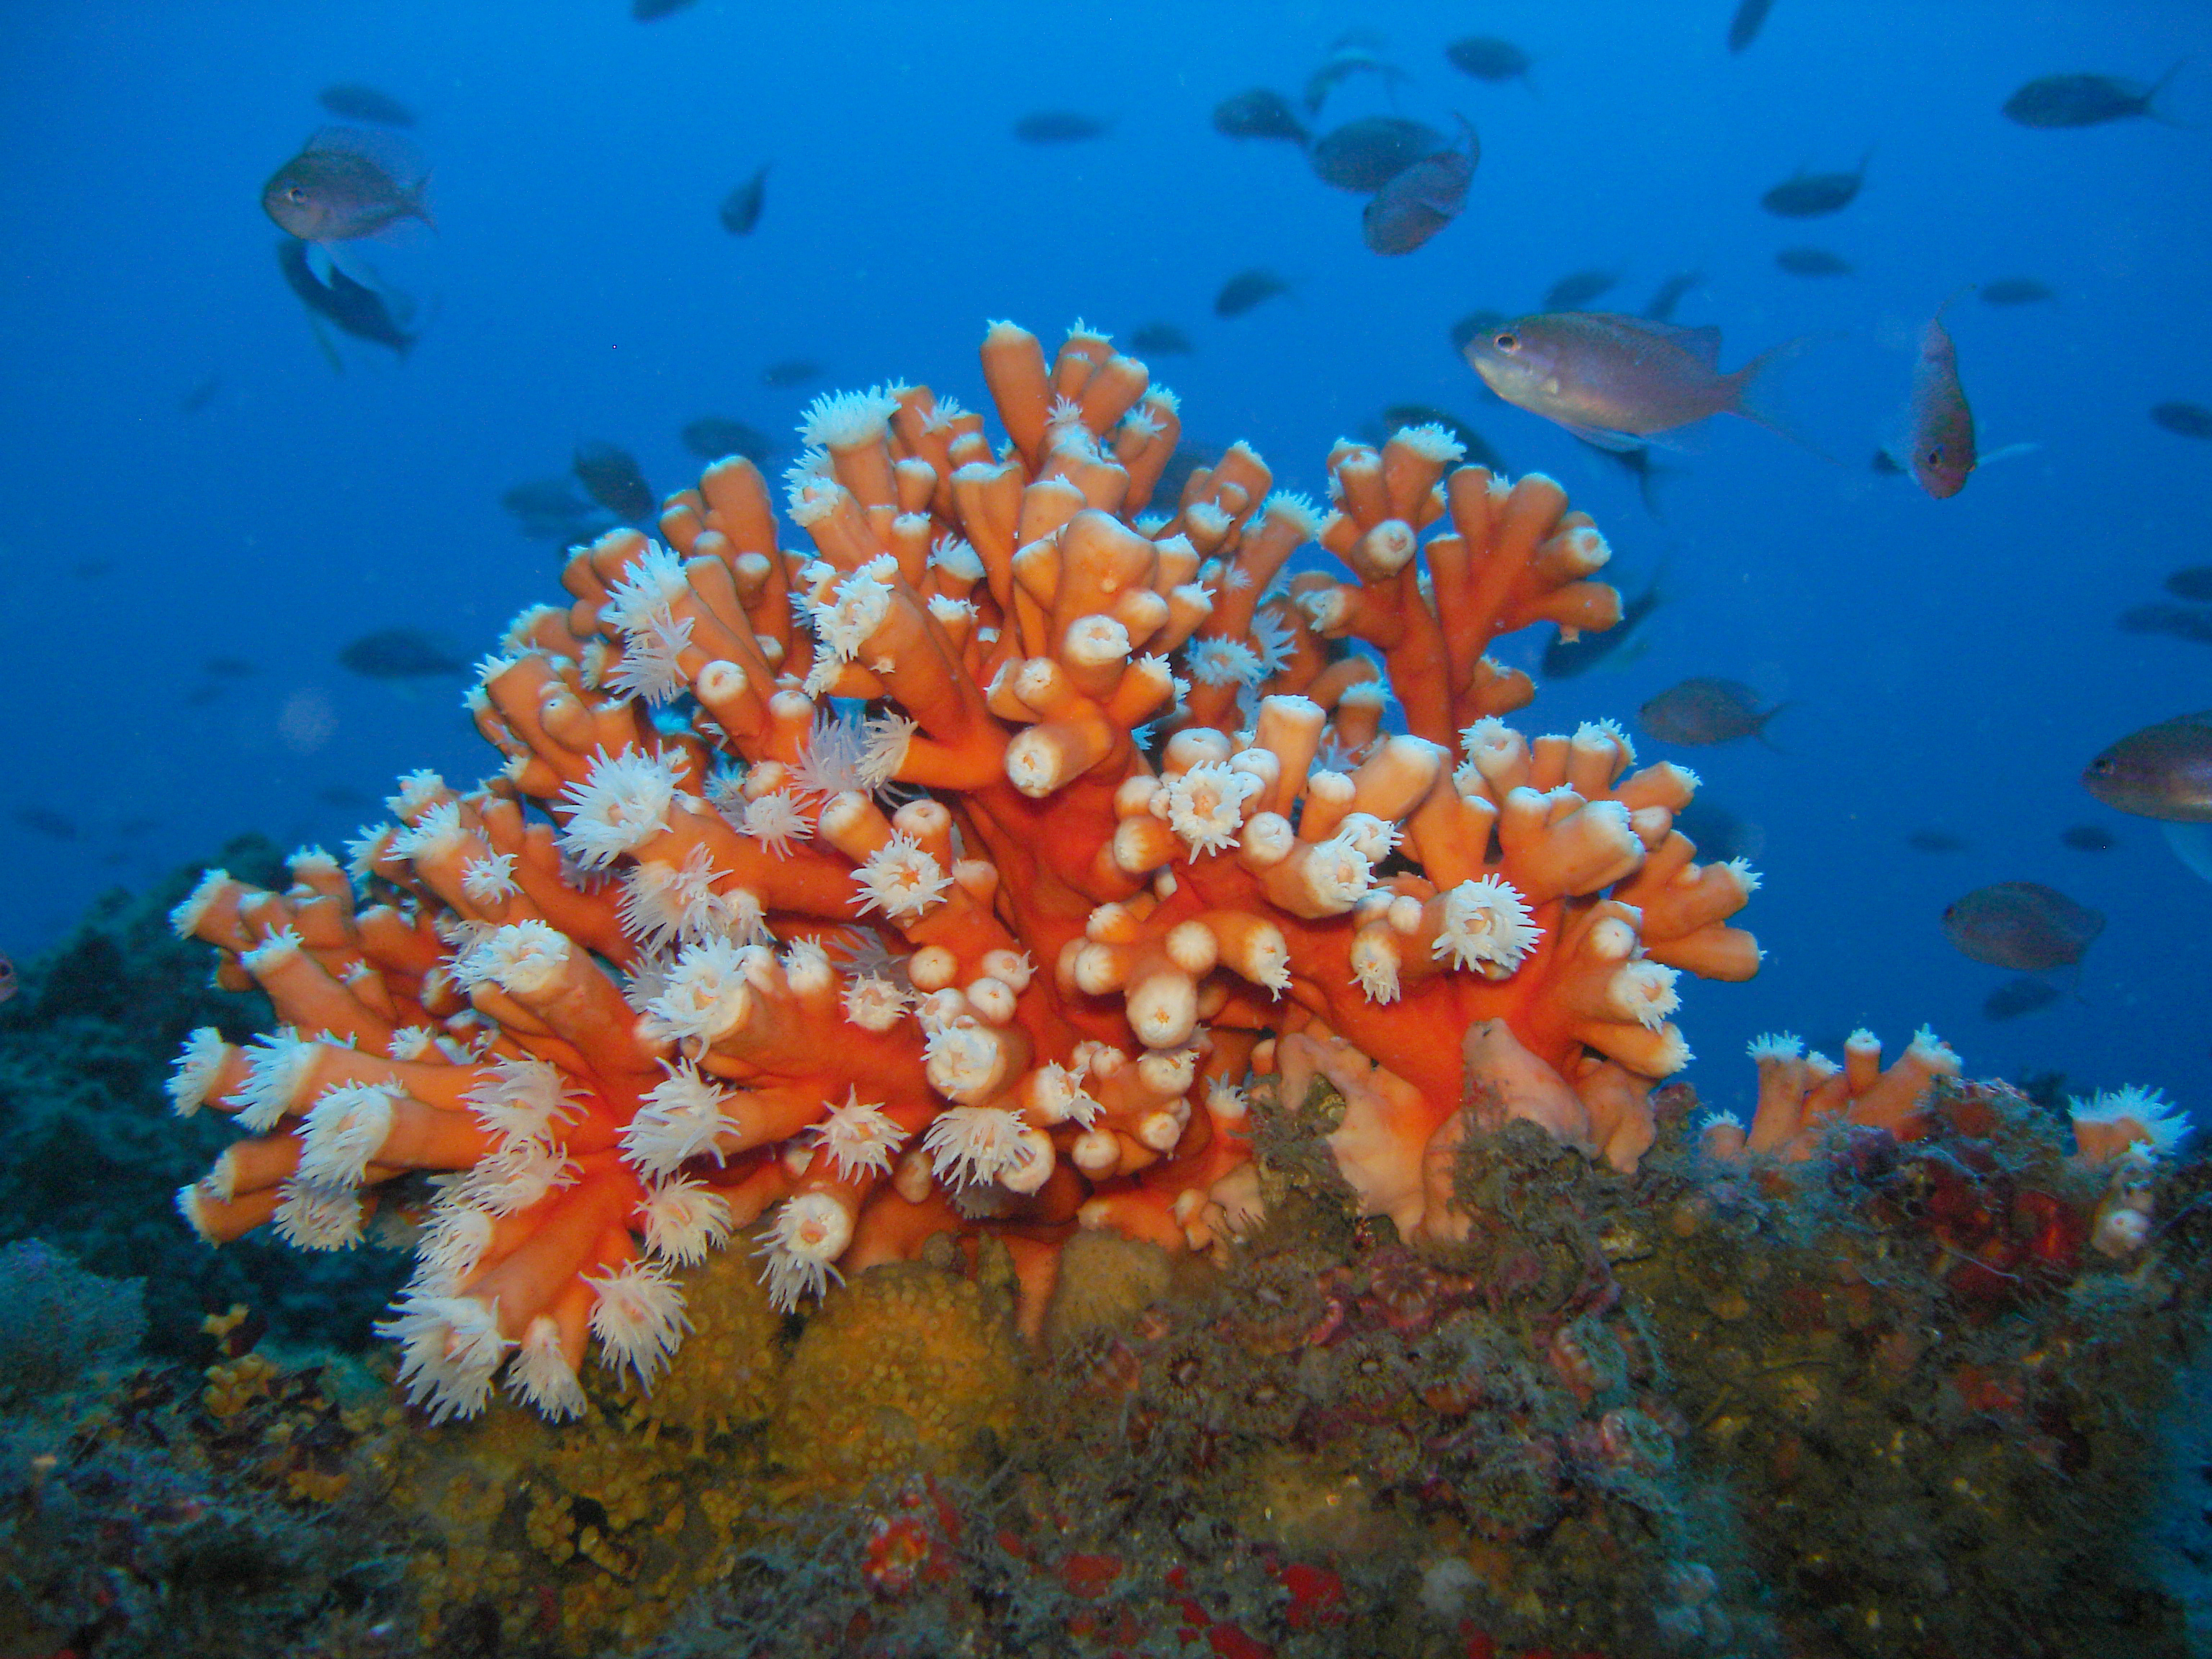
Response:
column 1578, row 288
column 1814, row 195
column 1487, row 57
column 378, row 315
column 402, row 654
column 1260, row 112
column 1246, row 289
column 1669, row 294
column 1614, row 380
column 352, row 101
column 2016, row 291
column 1564, row 657
column 2016, row 997
column 349, row 183
column 1813, row 262
column 1162, row 339
column 2191, row 581
column 2022, row 925
column 1943, row 441
column 1706, row 711
column 1366, row 154
column 2164, row 772
column 2084, row 100
column 741, row 208
column 1422, row 199
column 1060, row 126
column 1343, row 63
column 1743, row 27
column 2183, row 420
column 790, row 371
column 610, row 477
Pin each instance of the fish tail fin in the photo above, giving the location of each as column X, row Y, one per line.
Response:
column 1757, row 396
column 2150, row 98
column 1787, row 702
column 2192, row 844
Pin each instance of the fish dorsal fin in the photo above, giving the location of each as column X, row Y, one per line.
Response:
column 397, row 157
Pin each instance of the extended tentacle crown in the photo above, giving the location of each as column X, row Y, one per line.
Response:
column 954, row 876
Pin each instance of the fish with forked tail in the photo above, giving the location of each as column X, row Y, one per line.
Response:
column 1614, row 380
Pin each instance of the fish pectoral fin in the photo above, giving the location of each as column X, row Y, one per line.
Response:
column 1620, row 443
column 2192, row 845
column 320, row 264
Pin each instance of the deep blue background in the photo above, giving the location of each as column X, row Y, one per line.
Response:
column 1954, row 663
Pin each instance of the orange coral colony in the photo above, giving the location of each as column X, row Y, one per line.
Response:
column 955, row 876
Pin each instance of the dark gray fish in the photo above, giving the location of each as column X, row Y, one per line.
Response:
column 2191, row 582
column 1260, row 112
column 1422, row 199
column 1617, row 380
column 1188, row 457
column 1364, row 155
column 712, row 436
column 2020, row 996
column 610, row 477
column 402, row 654
column 1943, row 447
column 1706, row 711
column 1813, row 262
column 1812, row 195
column 348, row 183
column 648, row 11
column 1670, row 295
column 208, row 692
column 1487, row 57
column 201, row 395
column 2163, row 771
column 1473, row 326
column 1743, row 27
column 45, row 821
column 1888, row 465
column 2016, row 291
column 1341, row 65
column 1935, row 840
column 1718, row 833
column 2177, row 622
column 343, row 796
column 1563, row 659
column 2084, row 100
column 1636, row 461
column 1060, row 126
column 790, row 371
column 1246, row 289
column 741, row 208
column 546, row 498
column 228, row 668
column 349, row 100
column 2183, row 420
column 2088, row 838
column 1578, row 288
column 377, row 315
column 2022, row 925
column 1162, row 340
column 1476, row 449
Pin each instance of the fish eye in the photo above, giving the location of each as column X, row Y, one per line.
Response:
column 2101, row 765
column 295, row 194
column 1507, row 341
column 1936, row 456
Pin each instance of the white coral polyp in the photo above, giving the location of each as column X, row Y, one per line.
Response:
column 1205, row 806
column 873, row 1003
column 855, row 609
column 973, row 1145
column 489, row 879
column 638, row 1318
column 622, row 802
column 859, row 1137
column 684, row 1219
column 450, row 1349
column 197, row 1067
column 803, row 1240
column 775, row 820
column 678, row 1121
column 665, row 904
column 900, row 879
column 342, row 1131
column 522, row 958
column 541, row 1376
column 706, row 994
column 1486, row 926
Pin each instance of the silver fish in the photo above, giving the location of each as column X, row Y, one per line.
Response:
column 348, row 183
column 1615, row 380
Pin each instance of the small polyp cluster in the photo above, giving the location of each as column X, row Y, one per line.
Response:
column 831, row 898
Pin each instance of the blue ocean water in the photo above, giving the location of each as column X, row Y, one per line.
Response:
column 1952, row 664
